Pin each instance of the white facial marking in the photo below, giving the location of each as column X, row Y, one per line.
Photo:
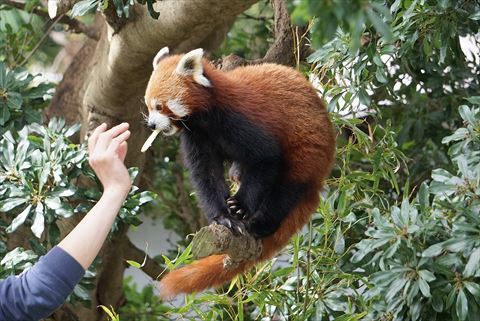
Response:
column 176, row 106
column 161, row 122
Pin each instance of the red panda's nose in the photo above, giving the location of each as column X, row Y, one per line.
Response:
column 151, row 125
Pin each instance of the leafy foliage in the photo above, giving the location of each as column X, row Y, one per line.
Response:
column 20, row 33
column 415, row 78
column 20, row 101
column 424, row 255
column 37, row 174
column 16, row 260
column 122, row 7
column 143, row 305
column 250, row 36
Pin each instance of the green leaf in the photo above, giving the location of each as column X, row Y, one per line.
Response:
column 475, row 16
column 461, row 305
column 433, row 251
column 423, row 197
column 380, row 25
column 11, row 203
column 437, row 301
column 134, row 264
column 473, row 263
column 474, row 100
column 467, row 114
column 14, row 101
column 4, row 116
column 396, row 286
column 450, row 298
column 17, row 256
column 427, row 275
column 339, row 246
column 441, row 175
column 110, row 312
column 442, row 188
column 81, row 292
column 415, row 310
column 151, row 10
column 473, row 288
column 38, row 225
column 53, row 233
column 364, row 97
column 424, row 287
column 380, row 76
column 333, row 102
column 53, row 203
column 19, row 220
column 459, row 134
column 82, row 7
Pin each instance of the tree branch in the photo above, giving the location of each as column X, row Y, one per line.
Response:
column 152, row 268
column 74, row 25
column 289, row 46
column 218, row 239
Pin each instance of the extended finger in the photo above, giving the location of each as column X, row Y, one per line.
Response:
column 115, row 143
column 92, row 141
column 106, row 137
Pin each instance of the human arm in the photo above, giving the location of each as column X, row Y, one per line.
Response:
column 107, row 150
column 43, row 288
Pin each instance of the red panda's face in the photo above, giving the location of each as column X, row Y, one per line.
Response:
column 175, row 89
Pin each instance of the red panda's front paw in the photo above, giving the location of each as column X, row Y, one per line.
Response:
column 235, row 209
column 232, row 223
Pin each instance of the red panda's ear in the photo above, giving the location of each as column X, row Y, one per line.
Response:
column 191, row 64
column 159, row 56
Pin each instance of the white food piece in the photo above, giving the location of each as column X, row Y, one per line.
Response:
column 52, row 8
column 150, row 140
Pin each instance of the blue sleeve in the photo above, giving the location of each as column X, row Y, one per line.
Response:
column 38, row 292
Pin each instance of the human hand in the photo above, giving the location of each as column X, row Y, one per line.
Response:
column 107, row 150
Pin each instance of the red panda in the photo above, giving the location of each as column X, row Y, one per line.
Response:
column 270, row 123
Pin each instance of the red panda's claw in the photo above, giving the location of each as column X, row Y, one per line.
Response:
column 234, row 224
column 239, row 230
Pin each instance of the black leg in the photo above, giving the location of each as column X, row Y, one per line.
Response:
column 257, row 182
column 275, row 208
column 206, row 170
